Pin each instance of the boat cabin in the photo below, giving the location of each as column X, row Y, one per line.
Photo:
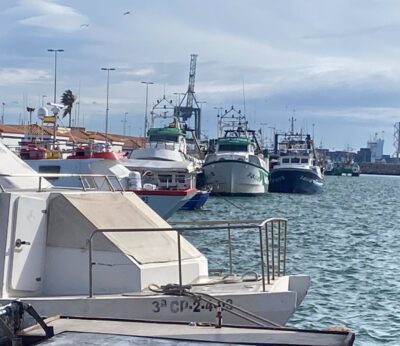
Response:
column 235, row 144
column 172, row 138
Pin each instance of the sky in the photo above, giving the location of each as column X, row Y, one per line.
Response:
column 332, row 65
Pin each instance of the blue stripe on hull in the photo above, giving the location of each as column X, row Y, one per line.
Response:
column 292, row 181
column 197, row 201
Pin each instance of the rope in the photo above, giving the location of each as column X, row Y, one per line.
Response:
column 176, row 290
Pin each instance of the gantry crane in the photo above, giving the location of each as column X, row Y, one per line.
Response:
column 192, row 107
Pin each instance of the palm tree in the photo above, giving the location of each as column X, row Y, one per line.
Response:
column 68, row 99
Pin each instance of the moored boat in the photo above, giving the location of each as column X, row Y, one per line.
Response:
column 297, row 170
column 238, row 166
column 107, row 254
column 85, row 160
column 342, row 168
column 164, row 160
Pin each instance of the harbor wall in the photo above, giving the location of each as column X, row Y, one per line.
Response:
column 380, row 168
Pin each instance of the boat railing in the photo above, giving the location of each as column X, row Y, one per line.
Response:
column 272, row 244
column 86, row 181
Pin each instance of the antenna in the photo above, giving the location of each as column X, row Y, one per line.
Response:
column 244, row 98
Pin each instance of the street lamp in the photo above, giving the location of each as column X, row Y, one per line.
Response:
column 2, row 113
column 55, row 51
column 124, row 122
column 108, row 69
column 146, row 120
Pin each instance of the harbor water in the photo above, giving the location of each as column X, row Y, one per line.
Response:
column 346, row 238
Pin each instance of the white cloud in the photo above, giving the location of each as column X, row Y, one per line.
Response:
column 12, row 76
column 49, row 14
column 144, row 72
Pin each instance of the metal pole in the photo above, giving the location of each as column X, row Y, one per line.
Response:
column 90, row 268
column 230, row 249
column 125, row 114
column 108, row 69
column 272, row 251
column 284, row 250
column 262, row 258
column 55, row 51
column 179, row 262
column 267, row 252
column 146, row 120
column 279, row 248
column 108, row 89
column 55, row 76
column 2, row 114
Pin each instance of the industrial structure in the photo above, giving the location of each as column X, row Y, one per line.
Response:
column 396, row 142
column 185, row 112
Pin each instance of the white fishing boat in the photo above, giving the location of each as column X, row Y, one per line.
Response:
column 238, row 166
column 164, row 160
column 107, row 254
column 85, row 160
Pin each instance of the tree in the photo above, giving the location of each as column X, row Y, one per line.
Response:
column 68, row 99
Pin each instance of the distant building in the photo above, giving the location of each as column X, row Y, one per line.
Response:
column 376, row 146
column 363, row 155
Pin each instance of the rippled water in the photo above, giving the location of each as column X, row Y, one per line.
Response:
column 346, row 238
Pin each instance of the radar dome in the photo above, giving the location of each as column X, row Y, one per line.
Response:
column 42, row 112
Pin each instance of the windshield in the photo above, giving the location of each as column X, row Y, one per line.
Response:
column 232, row 147
column 163, row 138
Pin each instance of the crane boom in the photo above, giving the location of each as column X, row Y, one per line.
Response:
column 192, row 80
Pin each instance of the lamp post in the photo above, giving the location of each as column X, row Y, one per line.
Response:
column 55, row 51
column 146, row 120
column 124, row 122
column 108, row 69
column 2, row 113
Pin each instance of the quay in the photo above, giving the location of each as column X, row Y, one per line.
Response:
column 380, row 168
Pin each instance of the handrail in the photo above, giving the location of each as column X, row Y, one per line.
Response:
column 107, row 178
column 230, row 225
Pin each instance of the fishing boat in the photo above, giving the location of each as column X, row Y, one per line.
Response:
column 342, row 168
column 164, row 159
column 87, row 159
column 238, row 166
column 107, row 254
column 297, row 169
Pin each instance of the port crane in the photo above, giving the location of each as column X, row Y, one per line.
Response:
column 185, row 112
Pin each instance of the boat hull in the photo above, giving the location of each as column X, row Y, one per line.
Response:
column 166, row 202
column 294, row 180
column 197, row 201
column 277, row 305
column 233, row 177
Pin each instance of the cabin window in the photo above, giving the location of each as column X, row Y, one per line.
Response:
column 232, row 147
column 165, row 179
column 163, row 138
column 304, row 160
column 180, row 178
column 295, row 160
column 254, row 159
column 50, row 169
column 285, row 160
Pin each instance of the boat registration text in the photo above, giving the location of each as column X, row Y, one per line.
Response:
column 178, row 306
